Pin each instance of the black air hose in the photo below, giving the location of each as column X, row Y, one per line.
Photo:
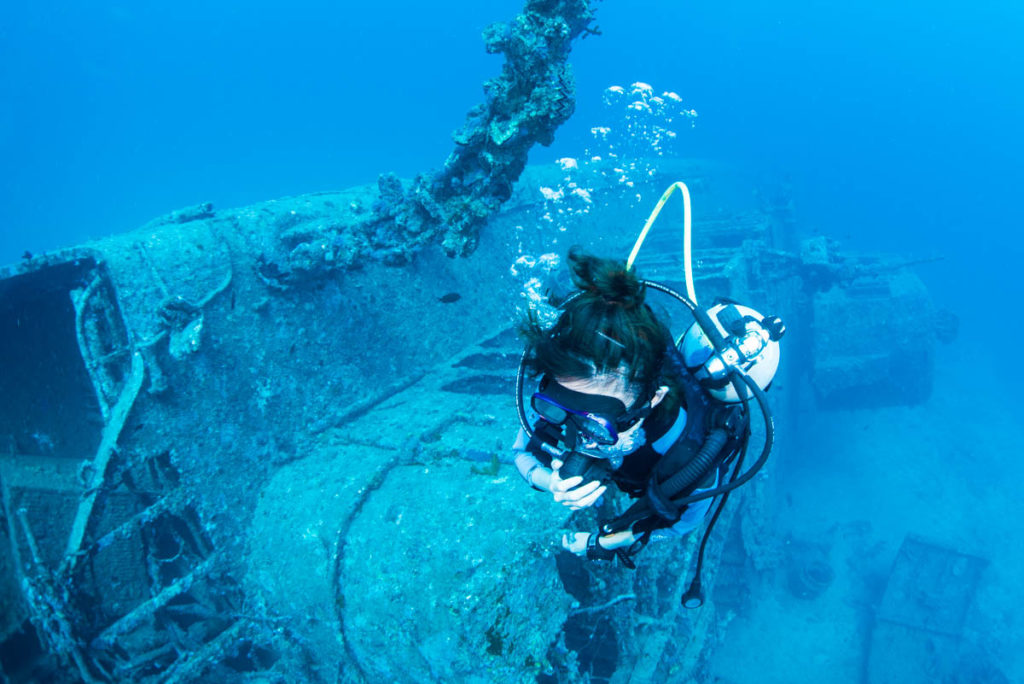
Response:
column 642, row 509
column 769, row 439
column 698, row 465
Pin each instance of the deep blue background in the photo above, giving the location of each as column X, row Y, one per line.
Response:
column 114, row 113
column 897, row 127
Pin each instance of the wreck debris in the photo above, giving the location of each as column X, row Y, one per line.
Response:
column 809, row 572
column 146, row 611
column 105, row 549
column 918, row 634
column 49, row 608
column 849, row 369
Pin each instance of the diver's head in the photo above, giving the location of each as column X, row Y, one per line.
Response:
column 604, row 356
column 606, row 329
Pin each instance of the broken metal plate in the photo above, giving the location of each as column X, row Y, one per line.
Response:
column 931, row 587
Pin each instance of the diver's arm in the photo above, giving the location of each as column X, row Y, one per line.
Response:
column 529, row 466
column 577, row 542
column 570, row 492
column 617, row 540
column 533, row 471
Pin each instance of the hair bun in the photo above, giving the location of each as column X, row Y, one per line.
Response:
column 608, row 278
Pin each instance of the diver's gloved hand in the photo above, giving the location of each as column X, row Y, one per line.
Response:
column 587, row 545
column 594, row 547
column 576, row 542
column 572, row 492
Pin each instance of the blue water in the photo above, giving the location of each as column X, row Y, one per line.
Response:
column 895, row 123
column 897, row 128
column 113, row 113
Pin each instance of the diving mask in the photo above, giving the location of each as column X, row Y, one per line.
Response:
column 596, row 418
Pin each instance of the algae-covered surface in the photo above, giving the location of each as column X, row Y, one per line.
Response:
column 419, row 581
column 420, row 556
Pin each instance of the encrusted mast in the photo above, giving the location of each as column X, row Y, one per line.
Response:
column 524, row 105
column 533, row 96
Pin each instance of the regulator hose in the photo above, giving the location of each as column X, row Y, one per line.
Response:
column 698, row 465
column 769, row 439
column 642, row 509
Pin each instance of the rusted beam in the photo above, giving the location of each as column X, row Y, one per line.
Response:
column 108, row 443
column 80, row 300
column 146, row 610
column 212, row 652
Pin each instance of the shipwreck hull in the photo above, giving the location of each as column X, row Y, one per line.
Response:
column 236, row 443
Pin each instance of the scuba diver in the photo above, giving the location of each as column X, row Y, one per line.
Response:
column 620, row 402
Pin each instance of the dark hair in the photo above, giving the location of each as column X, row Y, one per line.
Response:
column 608, row 329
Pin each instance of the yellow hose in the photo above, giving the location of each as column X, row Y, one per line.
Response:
column 678, row 185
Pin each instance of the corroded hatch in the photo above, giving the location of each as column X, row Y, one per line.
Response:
column 918, row 627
